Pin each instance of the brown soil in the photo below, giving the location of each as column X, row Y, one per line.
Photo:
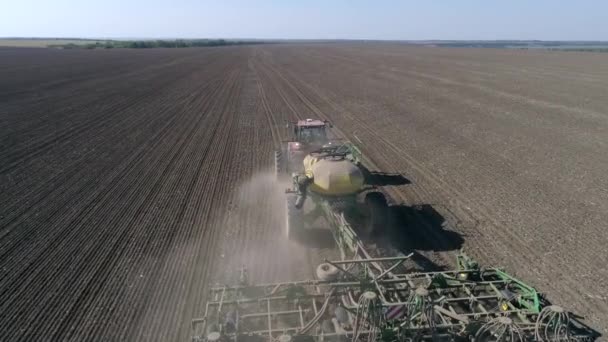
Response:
column 131, row 180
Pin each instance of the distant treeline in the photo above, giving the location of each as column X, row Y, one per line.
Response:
column 599, row 46
column 581, row 49
column 148, row 44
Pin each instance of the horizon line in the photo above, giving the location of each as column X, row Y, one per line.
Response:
column 298, row 39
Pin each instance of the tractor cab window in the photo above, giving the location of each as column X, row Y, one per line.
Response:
column 313, row 134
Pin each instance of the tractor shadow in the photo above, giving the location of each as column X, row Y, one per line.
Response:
column 376, row 178
column 420, row 228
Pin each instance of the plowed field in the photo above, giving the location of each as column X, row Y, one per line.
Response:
column 130, row 180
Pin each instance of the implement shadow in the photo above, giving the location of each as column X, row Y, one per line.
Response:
column 421, row 228
column 376, row 178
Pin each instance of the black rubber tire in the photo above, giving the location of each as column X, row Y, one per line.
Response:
column 295, row 218
column 279, row 163
column 378, row 213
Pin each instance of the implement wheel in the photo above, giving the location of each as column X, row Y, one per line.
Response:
column 378, row 214
column 327, row 272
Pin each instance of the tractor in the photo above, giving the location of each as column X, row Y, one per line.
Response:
column 331, row 175
column 367, row 295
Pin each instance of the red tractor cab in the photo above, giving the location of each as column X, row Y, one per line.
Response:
column 307, row 135
column 310, row 132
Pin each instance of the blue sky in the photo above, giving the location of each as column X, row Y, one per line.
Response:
column 313, row 19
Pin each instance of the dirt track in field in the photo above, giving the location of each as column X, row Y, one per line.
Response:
column 132, row 179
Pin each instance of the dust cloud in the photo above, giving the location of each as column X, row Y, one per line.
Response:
column 254, row 235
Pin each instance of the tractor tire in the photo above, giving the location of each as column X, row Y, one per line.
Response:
column 378, row 214
column 295, row 218
column 278, row 163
